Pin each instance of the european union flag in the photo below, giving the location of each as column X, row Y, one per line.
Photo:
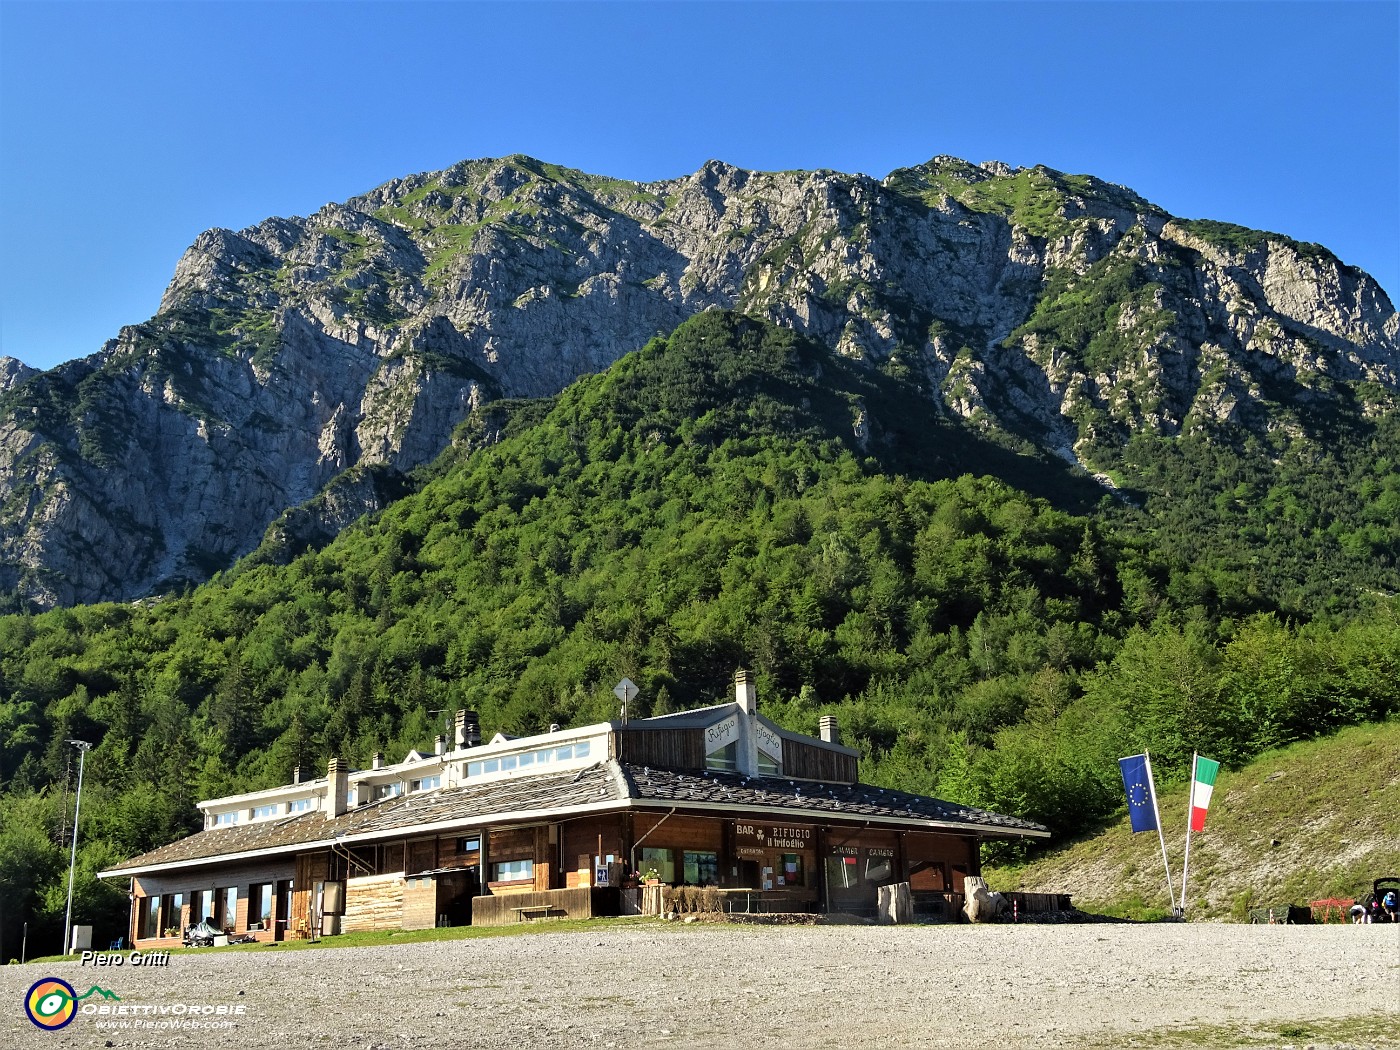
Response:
column 1142, row 801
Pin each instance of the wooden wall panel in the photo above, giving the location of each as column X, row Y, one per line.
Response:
column 511, row 844
column 420, row 903
column 663, row 748
column 574, row 904
column 421, row 855
column 810, row 762
column 373, row 902
column 678, row 832
column 580, row 842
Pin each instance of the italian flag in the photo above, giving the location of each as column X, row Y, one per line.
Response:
column 1202, row 784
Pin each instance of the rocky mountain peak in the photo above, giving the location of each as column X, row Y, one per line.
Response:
column 289, row 358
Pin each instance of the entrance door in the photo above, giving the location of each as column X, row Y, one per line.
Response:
column 284, row 908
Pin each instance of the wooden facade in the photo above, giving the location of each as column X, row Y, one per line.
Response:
column 666, row 748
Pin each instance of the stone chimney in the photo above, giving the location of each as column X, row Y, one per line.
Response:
column 745, row 692
column 337, row 788
column 440, row 745
column 829, row 731
column 466, row 732
column 377, row 762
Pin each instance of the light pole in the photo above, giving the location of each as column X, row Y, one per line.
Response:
column 83, row 748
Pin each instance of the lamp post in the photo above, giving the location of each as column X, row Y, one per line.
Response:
column 83, row 748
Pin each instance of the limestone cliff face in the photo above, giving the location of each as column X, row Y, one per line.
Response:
column 302, row 365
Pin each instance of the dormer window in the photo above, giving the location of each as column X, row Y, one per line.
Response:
column 426, row 783
column 226, row 820
column 269, row 810
column 726, row 757
column 301, row 805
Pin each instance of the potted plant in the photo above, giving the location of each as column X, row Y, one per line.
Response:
column 651, row 877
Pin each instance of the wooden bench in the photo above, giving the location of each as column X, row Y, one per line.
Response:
column 538, row 911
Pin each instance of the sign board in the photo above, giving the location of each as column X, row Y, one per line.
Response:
column 769, row 742
column 626, row 691
column 721, row 734
column 600, row 875
column 754, row 836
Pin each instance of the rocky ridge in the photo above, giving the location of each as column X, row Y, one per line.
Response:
column 306, row 365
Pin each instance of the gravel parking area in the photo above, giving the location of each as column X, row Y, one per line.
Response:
column 785, row 986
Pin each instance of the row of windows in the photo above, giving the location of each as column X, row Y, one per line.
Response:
column 263, row 812
column 727, row 758
column 529, row 759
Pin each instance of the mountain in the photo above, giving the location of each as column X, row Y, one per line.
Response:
column 731, row 494
column 300, row 370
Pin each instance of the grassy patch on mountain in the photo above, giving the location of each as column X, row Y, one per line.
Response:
column 1313, row 820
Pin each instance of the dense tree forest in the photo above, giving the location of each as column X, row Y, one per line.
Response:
column 730, row 495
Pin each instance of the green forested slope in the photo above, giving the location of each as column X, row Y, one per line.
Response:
column 731, row 495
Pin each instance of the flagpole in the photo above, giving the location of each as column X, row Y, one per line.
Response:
column 1152, row 787
column 1186, row 861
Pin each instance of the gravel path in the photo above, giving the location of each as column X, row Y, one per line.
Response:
column 790, row 986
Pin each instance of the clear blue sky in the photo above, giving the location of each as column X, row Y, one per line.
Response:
column 126, row 129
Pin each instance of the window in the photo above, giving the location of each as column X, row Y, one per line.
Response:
column 790, row 869
column 148, row 918
column 726, row 757
column 225, row 907
column 172, row 912
column 528, row 759
column 512, row 870
column 224, row 820
column 701, row 868
column 659, row 860
column 768, row 766
column 300, row 805
column 426, row 783
column 470, row 844
column 201, row 906
column 388, row 790
column 270, row 810
column 260, row 906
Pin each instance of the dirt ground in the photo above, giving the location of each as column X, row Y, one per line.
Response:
column 654, row 984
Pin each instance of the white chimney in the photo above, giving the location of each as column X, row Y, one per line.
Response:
column 745, row 692
column 829, row 731
column 377, row 762
column 440, row 745
column 296, row 774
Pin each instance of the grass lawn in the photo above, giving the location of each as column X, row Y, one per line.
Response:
column 361, row 939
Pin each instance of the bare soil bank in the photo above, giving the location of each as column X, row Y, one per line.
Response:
column 787, row 986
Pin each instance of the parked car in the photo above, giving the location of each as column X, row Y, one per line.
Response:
column 1379, row 888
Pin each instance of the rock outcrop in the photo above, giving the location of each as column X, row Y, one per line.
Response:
column 306, row 365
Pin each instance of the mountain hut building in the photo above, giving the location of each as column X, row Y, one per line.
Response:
column 564, row 823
